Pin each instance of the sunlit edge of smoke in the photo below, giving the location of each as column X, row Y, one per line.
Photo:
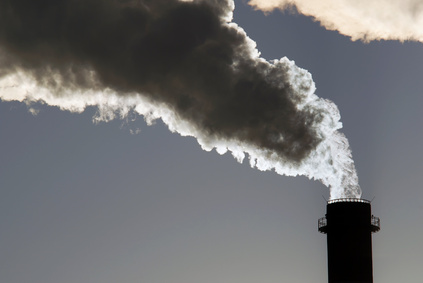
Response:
column 111, row 105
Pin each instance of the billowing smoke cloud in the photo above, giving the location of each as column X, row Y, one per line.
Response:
column 184, row 62
column 360, row 19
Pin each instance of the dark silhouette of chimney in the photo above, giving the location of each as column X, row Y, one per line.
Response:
column 349, row 225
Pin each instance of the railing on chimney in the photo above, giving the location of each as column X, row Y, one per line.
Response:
column 323, row 224
column 375, row 224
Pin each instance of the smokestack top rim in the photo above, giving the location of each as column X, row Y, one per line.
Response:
column 348, row 200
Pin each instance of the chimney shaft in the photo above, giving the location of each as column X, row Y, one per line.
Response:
column 349, row 225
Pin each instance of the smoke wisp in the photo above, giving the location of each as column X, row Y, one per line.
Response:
column 359, row 19
column 184, row 62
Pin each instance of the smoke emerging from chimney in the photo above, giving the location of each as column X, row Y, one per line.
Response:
column 361, row 20
column 184, row 62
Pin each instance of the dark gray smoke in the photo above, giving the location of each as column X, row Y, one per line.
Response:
column 182, row 61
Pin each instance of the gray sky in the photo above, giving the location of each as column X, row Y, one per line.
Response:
column 93, row 203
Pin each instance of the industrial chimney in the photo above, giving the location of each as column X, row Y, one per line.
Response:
column 349, row 225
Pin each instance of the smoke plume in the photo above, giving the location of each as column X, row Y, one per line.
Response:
column 184, row 62
column 359, row 19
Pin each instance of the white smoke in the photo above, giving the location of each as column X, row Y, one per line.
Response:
column 359, row 19
column 331, row 162
column 308, row 143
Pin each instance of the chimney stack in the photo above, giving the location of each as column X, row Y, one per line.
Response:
column 349, row 225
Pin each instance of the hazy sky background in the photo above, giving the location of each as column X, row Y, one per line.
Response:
column 93, row 203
